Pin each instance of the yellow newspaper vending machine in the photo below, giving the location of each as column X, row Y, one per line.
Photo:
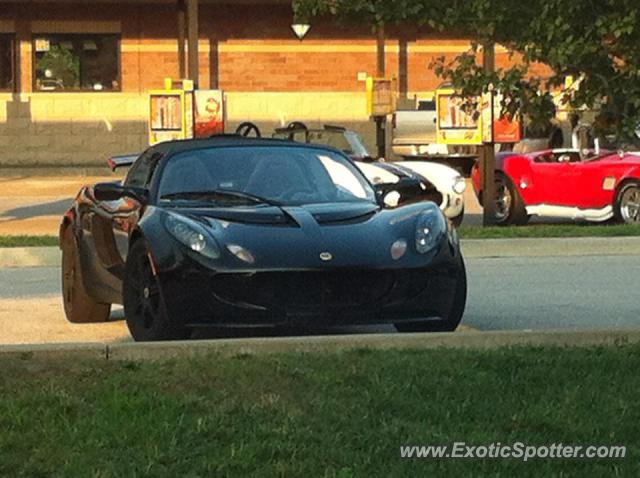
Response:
column 180, row 112
column 171, row 111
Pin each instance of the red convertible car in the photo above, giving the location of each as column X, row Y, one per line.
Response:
column 564, row 183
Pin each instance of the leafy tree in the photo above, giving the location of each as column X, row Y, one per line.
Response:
column 63, row 66
column 595, row 41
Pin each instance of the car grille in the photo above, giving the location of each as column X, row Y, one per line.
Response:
column 316, row 290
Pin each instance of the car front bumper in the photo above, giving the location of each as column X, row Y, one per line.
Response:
column 196, row 296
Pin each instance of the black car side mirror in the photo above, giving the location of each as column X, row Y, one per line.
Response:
column 115, row 191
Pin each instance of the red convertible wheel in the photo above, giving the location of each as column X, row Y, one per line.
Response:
column 509, row 208
column 628, row 203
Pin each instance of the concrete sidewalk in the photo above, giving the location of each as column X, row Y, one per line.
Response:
column 325, row 344
column 471, row 248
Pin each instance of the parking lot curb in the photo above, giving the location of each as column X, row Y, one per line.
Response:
column 471, row 249
column 326, row 344
column 90, row 350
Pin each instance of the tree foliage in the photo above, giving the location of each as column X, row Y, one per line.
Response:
column 595, row 41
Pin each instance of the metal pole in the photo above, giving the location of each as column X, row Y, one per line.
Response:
column 403, row 67
column 182, row 24
column 381, row 121
column 488, row 157
column 192, row 19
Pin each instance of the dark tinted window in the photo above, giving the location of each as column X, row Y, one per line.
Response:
column 289, row 175
column 140, row 173
column 427, row 105
column 76, row 62
column 7, row 63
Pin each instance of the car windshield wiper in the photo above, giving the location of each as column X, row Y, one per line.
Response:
column 214, row 193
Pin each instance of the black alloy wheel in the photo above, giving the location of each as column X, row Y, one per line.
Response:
column 445, row 324
column 144, row 307
column 79, row 306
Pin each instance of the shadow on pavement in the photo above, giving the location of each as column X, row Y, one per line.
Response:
column 204, row 333
column 249, row 332
column 53, row 208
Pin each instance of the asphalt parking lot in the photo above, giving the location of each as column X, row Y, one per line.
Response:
column 517, row 293
column 33, row 205
column 571, row 293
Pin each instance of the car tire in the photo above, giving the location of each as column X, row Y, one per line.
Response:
column 457, row 221
column 145, row 311
column 455, row 315
column 627, row 203
column 79, row 306
column 509, row 206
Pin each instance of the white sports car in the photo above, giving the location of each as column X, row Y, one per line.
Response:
column 447, row 181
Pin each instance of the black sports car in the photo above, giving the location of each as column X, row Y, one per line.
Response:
column 239, row 231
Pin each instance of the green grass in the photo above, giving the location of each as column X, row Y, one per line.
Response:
column 549, row 230
column 466, row 232
column 28, row 241
column 317, row 415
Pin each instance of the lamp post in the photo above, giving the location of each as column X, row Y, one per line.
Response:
column 192, row 35
column 300, row 29
column 488, row 155
column 381, row 121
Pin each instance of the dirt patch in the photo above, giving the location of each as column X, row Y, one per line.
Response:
column 41, row 320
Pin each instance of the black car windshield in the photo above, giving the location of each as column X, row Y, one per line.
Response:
column 282, row 175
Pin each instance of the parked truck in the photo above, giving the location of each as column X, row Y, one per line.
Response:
column 414, row 137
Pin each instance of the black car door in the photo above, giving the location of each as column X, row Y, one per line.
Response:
column 113, row 221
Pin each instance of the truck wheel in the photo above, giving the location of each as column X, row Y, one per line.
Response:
column 79, row 307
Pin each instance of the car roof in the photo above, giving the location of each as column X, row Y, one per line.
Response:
column 229, row 140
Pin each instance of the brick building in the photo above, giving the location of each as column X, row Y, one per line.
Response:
column 74, row 75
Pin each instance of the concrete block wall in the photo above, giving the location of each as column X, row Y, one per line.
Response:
column 249, row 51
column 85, row 129
column 69, row 128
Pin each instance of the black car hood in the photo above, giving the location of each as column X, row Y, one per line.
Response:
column 321, row 213
column 297, row 237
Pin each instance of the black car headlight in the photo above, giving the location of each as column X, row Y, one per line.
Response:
column 192, row 235
column 430, row 227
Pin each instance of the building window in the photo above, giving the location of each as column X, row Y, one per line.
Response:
column 76, row 62
column 7, row 62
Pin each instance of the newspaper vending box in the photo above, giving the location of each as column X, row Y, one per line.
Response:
column 180, row 112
